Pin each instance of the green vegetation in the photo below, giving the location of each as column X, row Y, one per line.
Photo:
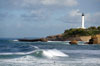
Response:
column 82, row 32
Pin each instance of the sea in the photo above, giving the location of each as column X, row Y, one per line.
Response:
column 51, row 53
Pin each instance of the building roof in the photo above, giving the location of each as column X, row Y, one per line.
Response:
column 82, row 14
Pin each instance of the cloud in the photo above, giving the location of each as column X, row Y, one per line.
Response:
column 71, row 2
column 3, row 16
column 94, row 17
column 34, row 15
column 51, row 2
column 74, row 18
column 37, row 8
column 38, row 3
column 25, row 3
column 75, row 13
column 60, row 2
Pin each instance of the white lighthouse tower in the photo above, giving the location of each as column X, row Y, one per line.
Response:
column 83, row 21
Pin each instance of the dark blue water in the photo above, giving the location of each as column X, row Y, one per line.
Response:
column 15, row 53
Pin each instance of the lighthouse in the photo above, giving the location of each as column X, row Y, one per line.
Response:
column 82, row 21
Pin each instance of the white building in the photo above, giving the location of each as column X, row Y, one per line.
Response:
column 83, row 21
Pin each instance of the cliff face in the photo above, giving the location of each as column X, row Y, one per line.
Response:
column 92, row 40
column 60, row 37
column 95, row 39
column 85, row 38
column 98, row 39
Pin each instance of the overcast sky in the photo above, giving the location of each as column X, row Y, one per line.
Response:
column 40, row 18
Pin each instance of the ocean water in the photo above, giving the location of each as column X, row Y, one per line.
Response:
column 15, row 53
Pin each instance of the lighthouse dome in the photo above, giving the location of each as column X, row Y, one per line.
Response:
column 82, row 14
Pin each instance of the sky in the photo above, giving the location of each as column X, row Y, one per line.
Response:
column 41, row 18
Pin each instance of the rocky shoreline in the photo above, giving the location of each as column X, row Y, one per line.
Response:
column 89, row 35
column 33, row 40
column 88, row 39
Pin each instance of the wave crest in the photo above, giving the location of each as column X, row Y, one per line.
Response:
column 40, row 53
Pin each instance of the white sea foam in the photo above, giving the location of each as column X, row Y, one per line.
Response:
column 35, row 47
column 15, row 40
column 19, row 53
column 24, row 59
column 30, row 60
column 54, row 53
column 58, row 41
column 54, row 41
column 46, row 53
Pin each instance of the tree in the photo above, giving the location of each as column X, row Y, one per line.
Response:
column 98, row 27
column 92, row 28
column 82, row 32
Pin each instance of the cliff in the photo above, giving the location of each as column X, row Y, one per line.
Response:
column 77, row 34
column 95, row 39
column 85, row 38
column 60, row 37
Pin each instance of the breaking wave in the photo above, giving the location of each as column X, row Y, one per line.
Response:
column 39, row 53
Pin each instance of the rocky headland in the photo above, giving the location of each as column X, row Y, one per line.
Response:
column 76, row 34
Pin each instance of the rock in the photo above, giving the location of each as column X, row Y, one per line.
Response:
column 43, row 39
column 85, row 38
column 94, row 40
column 58, row 37
column 34, row 40
column 74, row 42
column 86, row 42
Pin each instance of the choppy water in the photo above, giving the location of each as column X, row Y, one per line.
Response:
column 15, row 53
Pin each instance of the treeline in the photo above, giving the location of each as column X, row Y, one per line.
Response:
column 73, row 32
